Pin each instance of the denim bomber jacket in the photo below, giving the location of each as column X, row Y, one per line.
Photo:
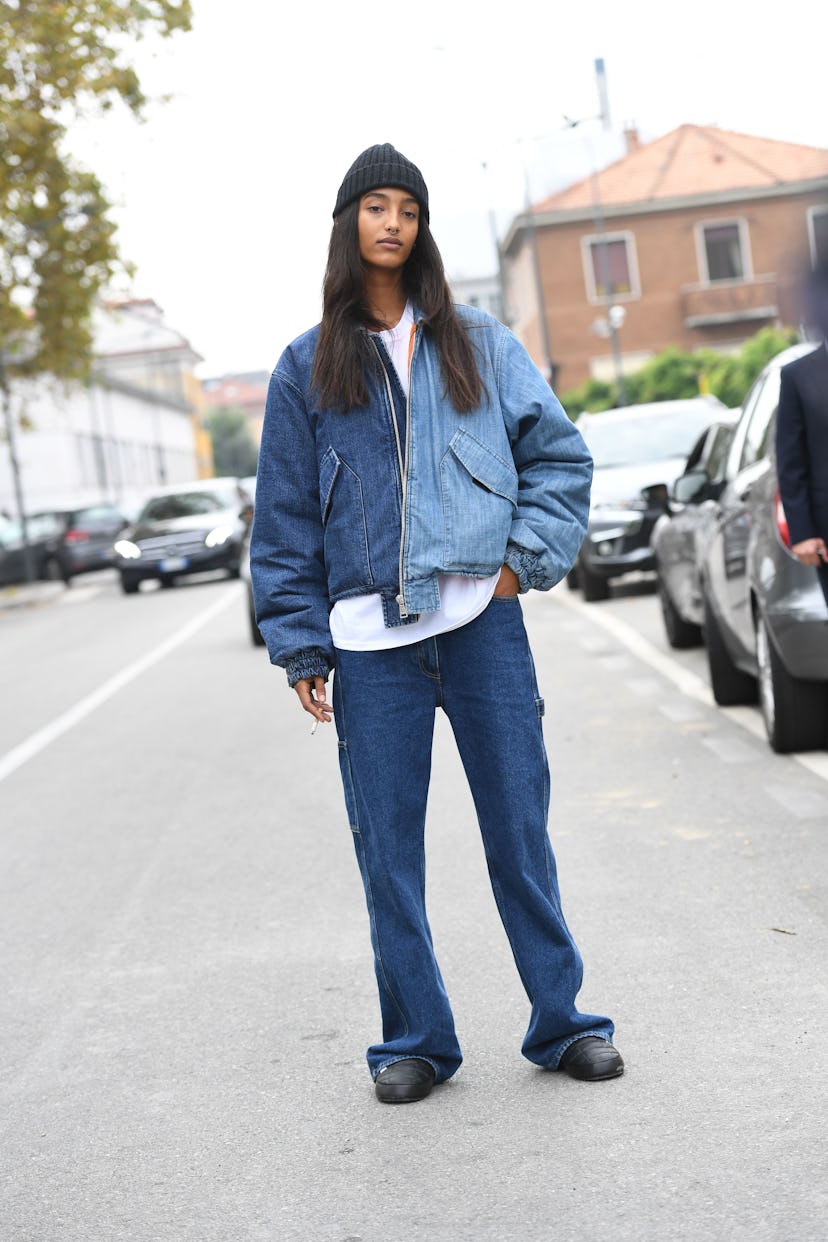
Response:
column 384, row 498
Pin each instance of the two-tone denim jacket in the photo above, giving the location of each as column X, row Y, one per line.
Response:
column 383, row 498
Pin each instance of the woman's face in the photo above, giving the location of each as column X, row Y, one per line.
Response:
column 388, row 223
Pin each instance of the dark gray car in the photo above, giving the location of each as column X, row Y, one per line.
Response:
column 638, row 451
column 187, row 529
column 680, row 534
column 765, row 619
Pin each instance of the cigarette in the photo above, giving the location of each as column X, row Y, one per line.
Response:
column 314, row 727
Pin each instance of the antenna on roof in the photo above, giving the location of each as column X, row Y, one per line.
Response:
column 603, row 94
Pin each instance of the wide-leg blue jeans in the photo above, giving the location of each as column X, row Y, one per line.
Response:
column 483, row 677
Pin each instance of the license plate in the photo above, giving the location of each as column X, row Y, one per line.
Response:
column 172, row 564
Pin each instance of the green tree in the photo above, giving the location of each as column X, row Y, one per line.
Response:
column 57, row 243
column 592, row 396
column 675, row 373
column 234, row 452
column 730, row 377
column 672, row 373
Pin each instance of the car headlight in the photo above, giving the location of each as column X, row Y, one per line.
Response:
column 637, row 503
column 128, row 550
column 601, row 520
column 218, row 536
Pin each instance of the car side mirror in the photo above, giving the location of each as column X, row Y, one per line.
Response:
column 691, row 488
column 656, row 496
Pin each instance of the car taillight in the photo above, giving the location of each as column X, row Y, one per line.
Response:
column 781, row 520
column 76, row 536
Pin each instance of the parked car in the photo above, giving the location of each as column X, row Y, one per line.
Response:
column 185, row 529
column 63, row 542
column 42, row 531
column 638, row 452
column 765, row 618
column 680, row 533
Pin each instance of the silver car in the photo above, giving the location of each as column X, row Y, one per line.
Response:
column 765, row 618
column 680, row 534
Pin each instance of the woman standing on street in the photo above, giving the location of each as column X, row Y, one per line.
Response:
column 416, row 474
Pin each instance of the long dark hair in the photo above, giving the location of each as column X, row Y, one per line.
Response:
column 343, row 352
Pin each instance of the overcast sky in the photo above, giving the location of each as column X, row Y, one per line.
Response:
column 224, row 194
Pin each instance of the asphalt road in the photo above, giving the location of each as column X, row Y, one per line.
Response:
column 187, row 984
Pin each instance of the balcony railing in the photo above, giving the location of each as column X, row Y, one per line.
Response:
column 729, row 301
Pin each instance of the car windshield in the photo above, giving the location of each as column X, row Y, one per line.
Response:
column 185, row 504
column 643, row 437
column 10, row 533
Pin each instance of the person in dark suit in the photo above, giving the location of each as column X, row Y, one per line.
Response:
column 802, row 440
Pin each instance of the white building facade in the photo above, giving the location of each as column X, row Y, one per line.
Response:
column 135, row 426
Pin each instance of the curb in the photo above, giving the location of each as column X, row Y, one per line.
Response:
column 30, row 595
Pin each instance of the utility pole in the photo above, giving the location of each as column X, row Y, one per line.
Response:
column 540, row 300
column 501, row 275
column 14, row 462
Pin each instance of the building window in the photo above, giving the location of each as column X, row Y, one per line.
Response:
column 818, row 234
column 610, row 267
column 723, row 251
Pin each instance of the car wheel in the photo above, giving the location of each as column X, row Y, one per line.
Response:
column 167, row 581
column 572, row 579
column 593, row 586
column 680, row 633
column 129, row 586
column 729, row 684
column 234, row 571
column 795, row 712
column 53, row 570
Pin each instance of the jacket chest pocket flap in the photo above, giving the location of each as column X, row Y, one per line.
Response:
column 479, row 498
column 486, row 468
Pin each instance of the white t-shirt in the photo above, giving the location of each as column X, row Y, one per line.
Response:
column 357, row 624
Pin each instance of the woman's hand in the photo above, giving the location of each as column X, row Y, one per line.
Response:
column 317, row 707
column 508, row 583
column 811, row 552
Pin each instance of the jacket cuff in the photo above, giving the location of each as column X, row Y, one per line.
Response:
column 527, row 566
column 310, row 663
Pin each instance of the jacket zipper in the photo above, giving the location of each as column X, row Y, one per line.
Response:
column 403, row 464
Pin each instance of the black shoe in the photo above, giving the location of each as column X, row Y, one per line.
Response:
column 403, row 1082
column 591, row 1059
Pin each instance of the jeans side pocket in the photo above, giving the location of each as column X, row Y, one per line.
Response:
column 348, row 786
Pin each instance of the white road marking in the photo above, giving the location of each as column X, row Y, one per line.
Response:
column 679, row 712
column 799, row 802
column 690, row 685
column 38, row 741
column 729, row 749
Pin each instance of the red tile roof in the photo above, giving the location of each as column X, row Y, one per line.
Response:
column 691, row 160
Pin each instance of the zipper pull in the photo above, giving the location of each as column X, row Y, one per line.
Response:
column 403, row 609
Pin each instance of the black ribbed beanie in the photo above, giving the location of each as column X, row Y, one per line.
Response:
column 381, row 165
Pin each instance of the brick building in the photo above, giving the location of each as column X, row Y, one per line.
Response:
column 246, row 391
column 701, row 236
